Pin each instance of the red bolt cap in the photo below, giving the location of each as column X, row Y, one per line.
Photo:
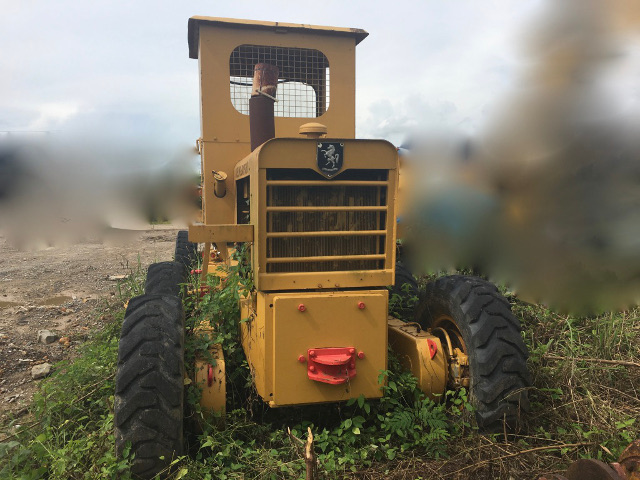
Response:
column 312, row 353
column 301, row 307
column 360, row 355
column 361, row 305
column 302, row 359
column 312, row 368
column 352, row 351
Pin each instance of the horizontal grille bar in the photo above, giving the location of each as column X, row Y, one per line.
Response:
column 346, row 208
column 323, row 183
column 336, row 233
column 332, row 258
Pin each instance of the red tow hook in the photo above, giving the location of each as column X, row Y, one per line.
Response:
column 332, row 365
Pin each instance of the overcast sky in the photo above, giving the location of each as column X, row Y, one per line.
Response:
column 121, row 69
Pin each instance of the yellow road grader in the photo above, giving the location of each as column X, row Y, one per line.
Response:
column 316, row 210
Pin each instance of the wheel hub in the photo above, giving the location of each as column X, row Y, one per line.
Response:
column 446, row 329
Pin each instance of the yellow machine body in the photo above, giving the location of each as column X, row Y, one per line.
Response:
column 280, row 329
column 322, row 245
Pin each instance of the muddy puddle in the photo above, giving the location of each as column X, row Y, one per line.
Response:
column 4, row 304
column 59, row 300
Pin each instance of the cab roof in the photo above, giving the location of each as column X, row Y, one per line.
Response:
column 195, row 22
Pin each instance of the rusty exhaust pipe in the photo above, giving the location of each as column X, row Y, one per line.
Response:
column 261, row 120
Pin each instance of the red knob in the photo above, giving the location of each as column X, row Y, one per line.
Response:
column 360, row 355
column 312, row 353
column 209, row 376
column 312, row 369
column 361, row 305
column 301, row 307
column 352, row 351
column 302, row 359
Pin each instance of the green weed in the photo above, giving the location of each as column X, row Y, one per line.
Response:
column 72, row 434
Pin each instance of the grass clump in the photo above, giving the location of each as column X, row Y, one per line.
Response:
column 71, row 435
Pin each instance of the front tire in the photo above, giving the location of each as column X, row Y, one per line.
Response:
column 148, row 406
column 165, row 278
column 478, row 320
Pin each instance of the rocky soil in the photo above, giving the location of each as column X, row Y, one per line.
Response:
column 64, row 290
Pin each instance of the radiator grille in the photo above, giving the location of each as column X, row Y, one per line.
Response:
column 319, row 225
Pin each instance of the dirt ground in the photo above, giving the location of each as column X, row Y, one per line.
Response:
column 62, row 289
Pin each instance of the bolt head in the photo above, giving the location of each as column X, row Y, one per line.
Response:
column 312, row 353
column 361, row 305
column 302, row 359
column 352, row 351
column 360, row 355
column 312, row 368
column 301, row 307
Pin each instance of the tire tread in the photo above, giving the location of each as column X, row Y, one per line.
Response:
column 148, row 406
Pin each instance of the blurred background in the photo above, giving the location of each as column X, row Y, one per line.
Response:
column 518, row 121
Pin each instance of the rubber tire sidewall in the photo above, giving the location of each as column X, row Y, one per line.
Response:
column 482, row 315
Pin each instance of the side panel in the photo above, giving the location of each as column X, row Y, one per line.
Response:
column 328, row 320
column 257, row 341
column 220, row 157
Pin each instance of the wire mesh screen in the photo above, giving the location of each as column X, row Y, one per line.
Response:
column 303, row 84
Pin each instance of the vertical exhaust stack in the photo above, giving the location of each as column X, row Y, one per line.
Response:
column 263, row 96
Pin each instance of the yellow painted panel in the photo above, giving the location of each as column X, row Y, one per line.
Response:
column 220, row 233
column 282, row 28
column 313, row 280
column 411, row 345
column 301, row 153
column 223, row 123
column 328, row 320
column 257, row 341
column 214, row 397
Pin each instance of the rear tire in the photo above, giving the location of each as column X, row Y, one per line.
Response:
column 490, row 336
column 186, row 252
column 404, row 294
column 148, row 406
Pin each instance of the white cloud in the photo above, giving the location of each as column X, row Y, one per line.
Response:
column 53, row 115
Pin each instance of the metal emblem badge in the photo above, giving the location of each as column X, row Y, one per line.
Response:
column 330, row 156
